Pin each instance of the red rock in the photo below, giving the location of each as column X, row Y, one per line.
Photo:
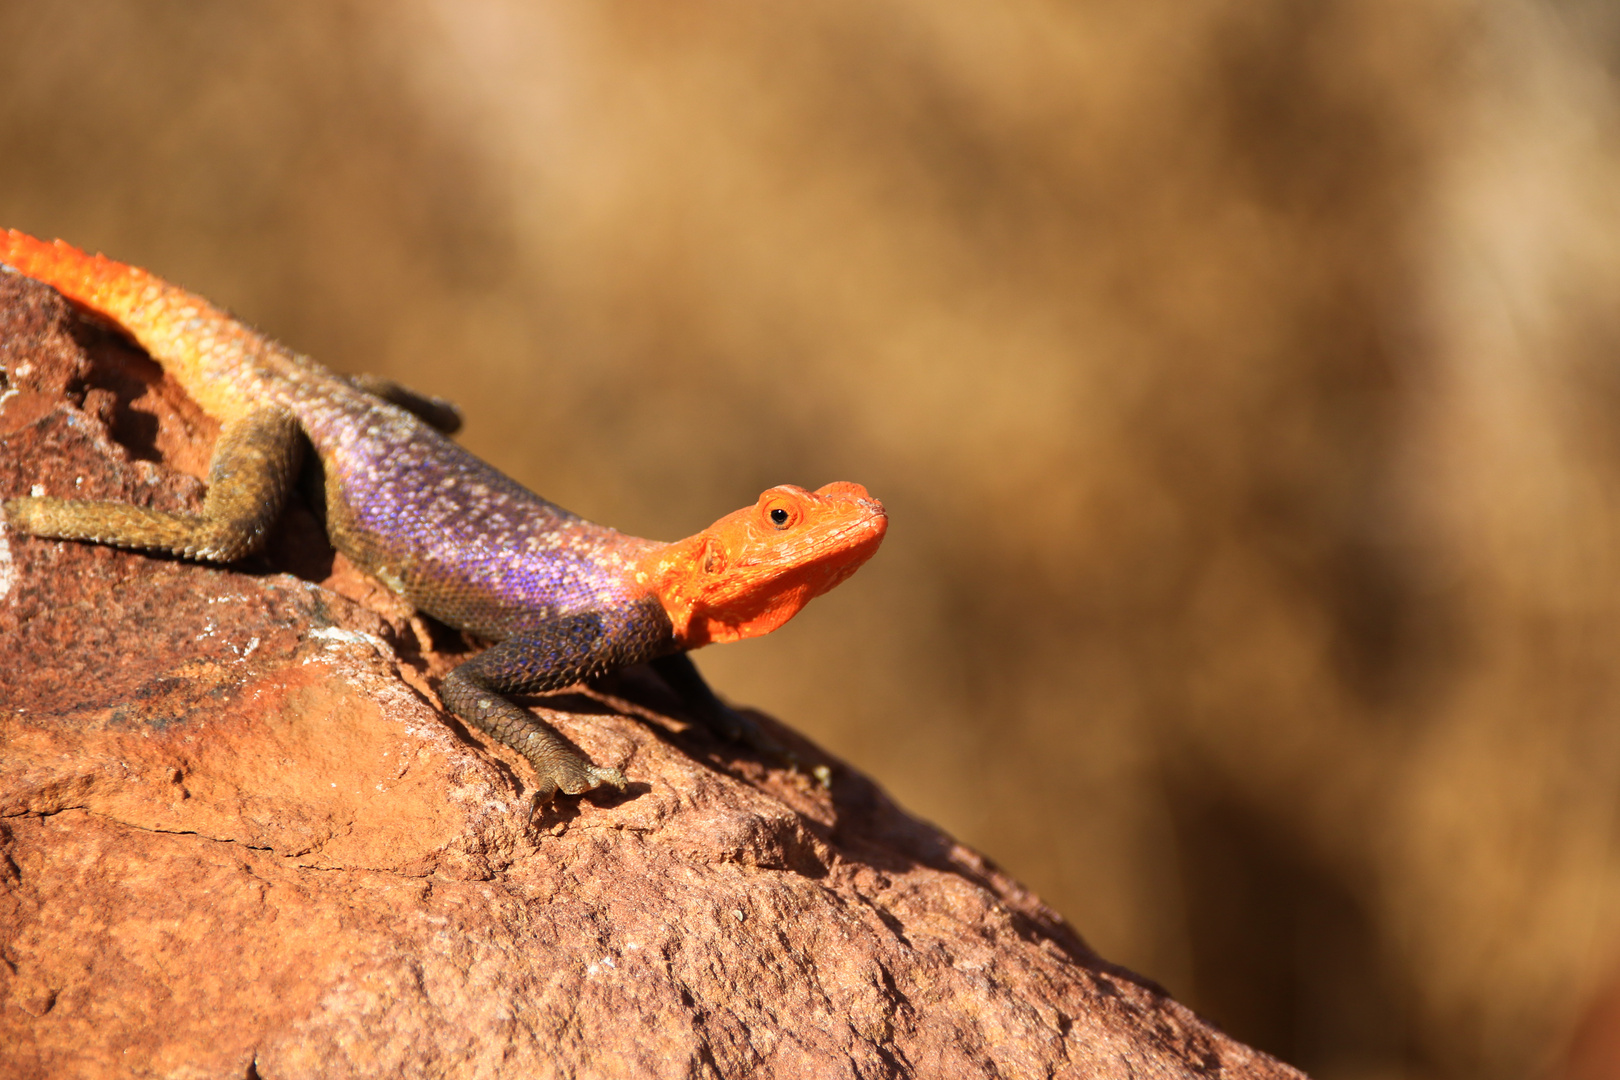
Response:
column 241, row 839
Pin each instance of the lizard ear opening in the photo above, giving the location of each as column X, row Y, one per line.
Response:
column 714, row 556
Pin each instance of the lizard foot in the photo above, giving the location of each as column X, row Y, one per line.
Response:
column 742, row 728
column 738, row 727
column 558, row 767
column 588, row 779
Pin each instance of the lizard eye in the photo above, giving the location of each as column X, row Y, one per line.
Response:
column 781, row 507
column 781, row 512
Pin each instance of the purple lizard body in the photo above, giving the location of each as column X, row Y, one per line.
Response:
column 454, row 536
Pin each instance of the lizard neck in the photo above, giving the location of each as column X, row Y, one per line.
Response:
column 685, row 577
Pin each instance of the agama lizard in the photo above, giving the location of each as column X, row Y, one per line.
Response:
column 564, row 599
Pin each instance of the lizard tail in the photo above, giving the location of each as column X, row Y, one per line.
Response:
column 206, row 350
column 108, row 288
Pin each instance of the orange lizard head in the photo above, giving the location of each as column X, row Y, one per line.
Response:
column 753, row 570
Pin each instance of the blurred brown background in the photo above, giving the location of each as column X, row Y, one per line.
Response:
column 1242, row 377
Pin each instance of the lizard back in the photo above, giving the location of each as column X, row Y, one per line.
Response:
column 450, row 533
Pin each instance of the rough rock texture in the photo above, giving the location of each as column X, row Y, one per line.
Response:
column 238, row 837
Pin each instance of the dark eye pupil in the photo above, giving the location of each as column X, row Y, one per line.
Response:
column 779, row 516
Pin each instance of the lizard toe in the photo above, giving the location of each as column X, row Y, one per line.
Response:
column 611, row 777
column 576, row 778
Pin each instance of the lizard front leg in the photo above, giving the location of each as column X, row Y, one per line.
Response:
column 254, row 465
column 528, row 663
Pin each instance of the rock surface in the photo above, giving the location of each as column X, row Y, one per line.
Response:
column 239, row 838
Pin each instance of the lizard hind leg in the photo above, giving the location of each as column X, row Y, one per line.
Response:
column 254, row 466
column 437, row 413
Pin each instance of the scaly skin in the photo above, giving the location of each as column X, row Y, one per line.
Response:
column 565, row 599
